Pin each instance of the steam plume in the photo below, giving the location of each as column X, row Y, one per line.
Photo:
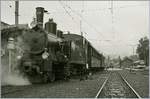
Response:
column 14, row 77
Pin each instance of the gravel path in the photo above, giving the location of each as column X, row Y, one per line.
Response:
column 61, row 89
column 139, row 80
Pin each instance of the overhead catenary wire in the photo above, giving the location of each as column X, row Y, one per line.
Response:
column 65, row 5
column 82, row 18
column 74, row 11
column 67, row 11
column 103, row 9
column 112, row 12
column 91, row 26
column 58, row 19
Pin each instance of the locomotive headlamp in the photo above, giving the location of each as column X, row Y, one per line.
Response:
column 19, row 57
column 65, row 56
column 10, row 47
column 45, row 54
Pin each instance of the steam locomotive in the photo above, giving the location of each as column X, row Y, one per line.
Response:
column 49, row 54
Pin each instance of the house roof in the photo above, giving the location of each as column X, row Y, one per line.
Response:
column 4, row 23
column 127, row 59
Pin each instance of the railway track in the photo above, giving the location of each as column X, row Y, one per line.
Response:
column 10, row 90
column 16, row 91
column 115, row 86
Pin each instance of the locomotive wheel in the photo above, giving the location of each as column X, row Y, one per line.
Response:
column 45, row 77
column 48, row 77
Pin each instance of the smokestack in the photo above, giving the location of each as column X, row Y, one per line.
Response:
column 39, row 16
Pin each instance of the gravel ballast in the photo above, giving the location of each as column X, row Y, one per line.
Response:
column 139, row 80
column 61, row 89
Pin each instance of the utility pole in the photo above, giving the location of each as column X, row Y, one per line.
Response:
column 112, row 15
column 81, row 27
column 11, row 45
column 16, row 12
column 112, row 7
column 120, row 61
column 133, row 56
column 108, row 62
column 81, row 18
column 133, row 47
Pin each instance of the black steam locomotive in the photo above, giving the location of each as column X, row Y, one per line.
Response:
column 49, row 54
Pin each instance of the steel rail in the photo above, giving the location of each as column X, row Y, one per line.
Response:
column 102, row 86
column 130, row 86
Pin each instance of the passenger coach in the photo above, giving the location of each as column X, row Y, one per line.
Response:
column 81, row 54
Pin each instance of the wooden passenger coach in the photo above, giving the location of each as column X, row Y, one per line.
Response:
column 81, row 53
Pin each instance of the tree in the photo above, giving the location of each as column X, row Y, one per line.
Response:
column 143, row 50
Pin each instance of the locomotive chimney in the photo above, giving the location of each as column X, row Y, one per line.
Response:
column 39, row 16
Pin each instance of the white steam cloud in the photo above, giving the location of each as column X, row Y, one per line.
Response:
column 14, row 77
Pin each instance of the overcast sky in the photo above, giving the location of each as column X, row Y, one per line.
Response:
column 111, row 32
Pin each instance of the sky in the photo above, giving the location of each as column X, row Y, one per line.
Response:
column 112, row 32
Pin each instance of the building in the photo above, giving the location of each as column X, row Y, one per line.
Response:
column 126, row 63
column 6, row 25
column 21, row 26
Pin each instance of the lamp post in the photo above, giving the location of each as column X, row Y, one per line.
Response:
column 10, row 47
